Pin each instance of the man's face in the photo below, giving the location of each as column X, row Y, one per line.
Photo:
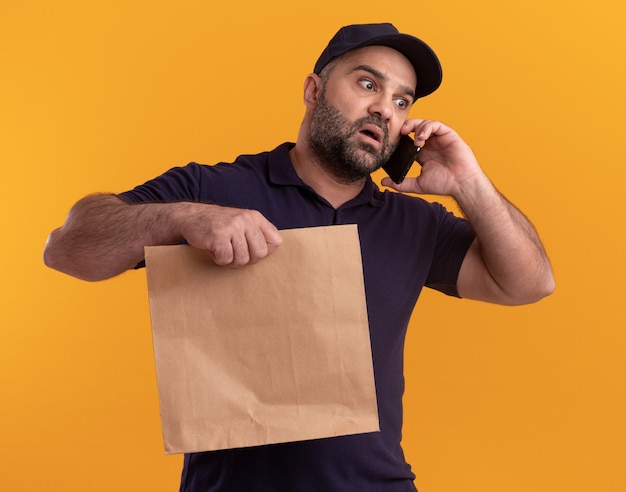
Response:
column 362, row 105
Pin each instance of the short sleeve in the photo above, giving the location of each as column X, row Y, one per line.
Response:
column 454, row 237
column 177, row 184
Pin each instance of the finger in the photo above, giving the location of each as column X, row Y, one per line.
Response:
column 424, row 131
column 222, row 253
column 272, row 236
column 263, row 241
column 389, row 183
column 409, row 126
column 408, row 185
column 241, row 251
column 257, row 245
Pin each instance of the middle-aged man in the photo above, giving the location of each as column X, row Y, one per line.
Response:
column 357, row 106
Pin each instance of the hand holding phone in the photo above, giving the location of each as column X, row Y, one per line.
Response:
column 402, row 159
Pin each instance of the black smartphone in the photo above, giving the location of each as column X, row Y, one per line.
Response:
column 402, row 159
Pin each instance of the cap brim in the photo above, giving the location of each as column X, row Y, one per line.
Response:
column 420, row 55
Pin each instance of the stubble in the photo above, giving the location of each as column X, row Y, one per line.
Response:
column 335, row 145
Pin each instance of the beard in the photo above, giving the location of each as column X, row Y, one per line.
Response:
column 335, row 145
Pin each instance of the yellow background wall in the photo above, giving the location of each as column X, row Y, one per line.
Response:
column 100, row 96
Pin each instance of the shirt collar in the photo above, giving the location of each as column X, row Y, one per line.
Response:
column 282, row 173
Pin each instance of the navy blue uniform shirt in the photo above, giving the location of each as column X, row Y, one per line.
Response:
column 406, row 243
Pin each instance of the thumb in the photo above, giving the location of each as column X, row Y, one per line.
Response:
column 408, row 185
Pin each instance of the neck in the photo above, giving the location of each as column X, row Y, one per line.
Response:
column 325, row 184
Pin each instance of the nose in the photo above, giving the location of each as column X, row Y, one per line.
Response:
column 382, row 107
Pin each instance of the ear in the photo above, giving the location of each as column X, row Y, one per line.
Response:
column 312, row 88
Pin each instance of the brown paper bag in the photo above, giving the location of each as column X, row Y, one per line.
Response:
column 273, row 352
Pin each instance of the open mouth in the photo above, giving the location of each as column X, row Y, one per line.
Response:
column 372, row 132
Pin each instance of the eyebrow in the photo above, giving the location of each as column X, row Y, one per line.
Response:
column 377, row 73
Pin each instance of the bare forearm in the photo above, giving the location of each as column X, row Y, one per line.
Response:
column 508, row 244
column 507, row 263
column 104, row 236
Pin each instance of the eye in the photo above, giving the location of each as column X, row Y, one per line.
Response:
column 367, row 84
column 402, row 103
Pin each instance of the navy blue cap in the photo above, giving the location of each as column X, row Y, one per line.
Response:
column 422, row 57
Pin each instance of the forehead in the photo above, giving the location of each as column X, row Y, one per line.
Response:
column 393, row 64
